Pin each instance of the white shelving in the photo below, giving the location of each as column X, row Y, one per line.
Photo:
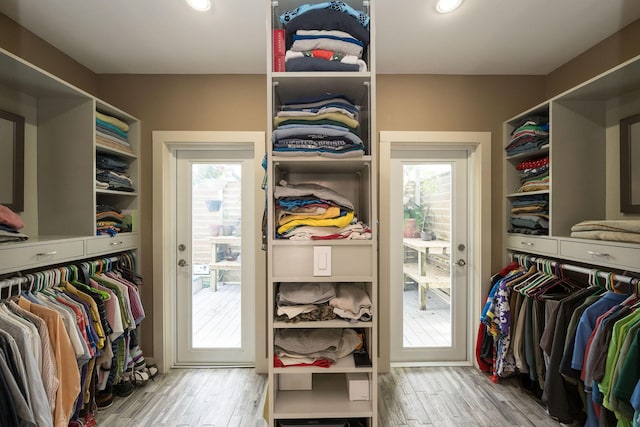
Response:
column 584, row 168
column 351, row 261
column 60, row 154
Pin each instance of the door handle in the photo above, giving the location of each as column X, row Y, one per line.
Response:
column 182, row 263
column 460, row 263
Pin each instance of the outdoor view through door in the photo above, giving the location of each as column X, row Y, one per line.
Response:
column 426, row 255
column 216, row 291
column 215, row 224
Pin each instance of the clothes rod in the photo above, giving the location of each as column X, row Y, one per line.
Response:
column 12, row 281
column 575, row 268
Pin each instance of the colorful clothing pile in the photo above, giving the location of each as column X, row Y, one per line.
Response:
column 325, row 125
column 530, row 215
column 329, row 36
column 111, row 130
column 314, row 212
column 110, row 220
column 530, row 135
column 534, row 175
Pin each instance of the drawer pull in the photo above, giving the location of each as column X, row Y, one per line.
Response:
column 117, row 243
column 527, row 243
column 46, row 253
column 594, row 253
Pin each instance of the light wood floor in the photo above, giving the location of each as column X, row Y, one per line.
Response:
column 407, row 397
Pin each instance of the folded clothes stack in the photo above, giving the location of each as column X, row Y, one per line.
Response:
column 10, row 226
column 315, row 212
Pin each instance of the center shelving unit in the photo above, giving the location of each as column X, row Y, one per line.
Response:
column 308, row 393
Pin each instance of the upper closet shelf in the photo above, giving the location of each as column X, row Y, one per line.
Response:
column 544, row 150
column 296, row 85
column 31, row 80
column 611, row 84
column 527, row 193
column 105, row 147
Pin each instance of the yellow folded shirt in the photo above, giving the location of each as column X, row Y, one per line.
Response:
column 342, row 221
column 331, row 212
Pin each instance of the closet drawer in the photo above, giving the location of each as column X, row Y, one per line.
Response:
column 533, row 244
column 17, row 257
column 346, row 262
column 601, row 254
column 107, row 244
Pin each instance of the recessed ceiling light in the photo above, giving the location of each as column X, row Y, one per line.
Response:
column 446, row 6
column 200, row 5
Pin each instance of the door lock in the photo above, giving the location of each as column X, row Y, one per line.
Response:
column 460, row 263
column 182, row 263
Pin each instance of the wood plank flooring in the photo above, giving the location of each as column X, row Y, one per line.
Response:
column 191, row 398
column 407, row 397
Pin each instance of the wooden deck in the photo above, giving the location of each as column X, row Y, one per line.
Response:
column 216, row 317
column 430, row 327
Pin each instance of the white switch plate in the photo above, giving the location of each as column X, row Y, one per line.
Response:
column 322, row 260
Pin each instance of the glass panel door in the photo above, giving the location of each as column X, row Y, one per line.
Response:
column 213, row 294
column 429, row 293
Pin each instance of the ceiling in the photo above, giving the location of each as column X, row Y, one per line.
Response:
column 167, row 37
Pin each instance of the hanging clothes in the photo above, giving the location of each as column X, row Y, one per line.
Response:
column 56, row 341
column 577, row 341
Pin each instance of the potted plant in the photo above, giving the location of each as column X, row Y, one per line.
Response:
column 413, row 217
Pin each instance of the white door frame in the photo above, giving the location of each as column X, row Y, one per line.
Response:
column 479, row 258
column 165, row 143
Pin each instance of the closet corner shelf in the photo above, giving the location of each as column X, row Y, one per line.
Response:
column 530, row 154
column 335, row 323
column 118, row 193
column 319, row 164
column 528, row 193
column 103, row 148
column 342, row 365
column 321, row 74
column 331, row 242
column 331, row 391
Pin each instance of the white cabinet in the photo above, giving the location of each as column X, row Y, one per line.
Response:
column 60, row 168
column 584, row 164
column 299, row 259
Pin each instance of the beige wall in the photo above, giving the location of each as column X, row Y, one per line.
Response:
column 459, row 103
column 33, row 49
column 238, row 102
column 188, row 102
column 605, row 55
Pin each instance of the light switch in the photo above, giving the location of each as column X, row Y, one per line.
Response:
column 322, row 260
